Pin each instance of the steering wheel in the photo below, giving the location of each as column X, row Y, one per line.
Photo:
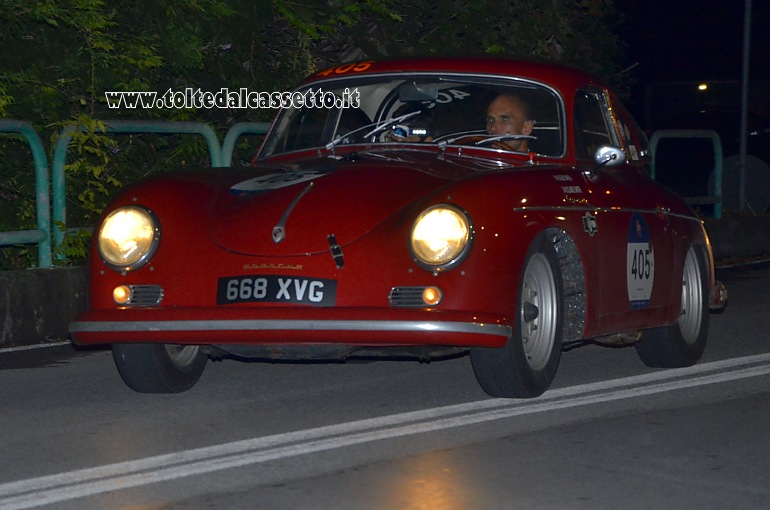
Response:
column 484, row 140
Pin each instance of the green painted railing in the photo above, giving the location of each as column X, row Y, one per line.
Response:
column 220, row 156
column 42, row 235
column 716, row 198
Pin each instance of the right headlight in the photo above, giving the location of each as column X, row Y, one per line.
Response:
column 128, row 237
column 441, row 237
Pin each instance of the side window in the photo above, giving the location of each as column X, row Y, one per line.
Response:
column 592, row 127
column 635, row 141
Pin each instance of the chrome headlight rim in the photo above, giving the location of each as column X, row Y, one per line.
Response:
column 143, row 259
column 459, row 256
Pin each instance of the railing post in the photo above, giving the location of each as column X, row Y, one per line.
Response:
column 119, row 126
column 41, row 236
column 716, row 199
column 241, row 128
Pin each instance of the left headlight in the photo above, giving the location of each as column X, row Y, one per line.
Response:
column 441, row 237
column 128, row 237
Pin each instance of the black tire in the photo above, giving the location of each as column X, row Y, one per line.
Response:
column 682, row 344
column 526, row 365
column 159, row 368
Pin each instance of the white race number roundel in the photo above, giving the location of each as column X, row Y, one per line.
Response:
column 271, row 182
column 640, row 263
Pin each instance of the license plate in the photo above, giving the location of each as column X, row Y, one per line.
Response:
column 276, row 289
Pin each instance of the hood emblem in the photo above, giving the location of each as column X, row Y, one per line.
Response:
column 278, row 234
column 279, row 231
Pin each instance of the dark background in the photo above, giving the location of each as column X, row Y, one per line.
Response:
column 695, row 39
column 672, row 47
column 692, row 40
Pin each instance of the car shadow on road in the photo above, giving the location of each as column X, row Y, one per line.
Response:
column 44, row 355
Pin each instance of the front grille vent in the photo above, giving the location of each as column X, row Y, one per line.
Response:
column 406, row 296
column 145, row 295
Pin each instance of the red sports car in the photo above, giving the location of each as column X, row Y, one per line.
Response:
column 414, row 208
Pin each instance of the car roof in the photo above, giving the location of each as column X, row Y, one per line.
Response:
column 557, row 75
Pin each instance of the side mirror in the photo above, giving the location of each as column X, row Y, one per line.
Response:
column 609, row 156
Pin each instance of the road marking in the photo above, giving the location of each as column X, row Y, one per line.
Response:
column 34, row 347
column 66, row 486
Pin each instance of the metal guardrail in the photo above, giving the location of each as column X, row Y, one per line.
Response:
column 220, row 156
column 716, row 198
column 42, row 235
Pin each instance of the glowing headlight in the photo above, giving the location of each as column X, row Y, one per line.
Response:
column 128, row 237
column 441, row 237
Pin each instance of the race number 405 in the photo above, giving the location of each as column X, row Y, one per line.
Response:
column 640, row 263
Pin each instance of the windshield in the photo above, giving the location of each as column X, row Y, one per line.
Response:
column 450, row 109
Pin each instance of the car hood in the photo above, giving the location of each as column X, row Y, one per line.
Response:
column 292, row 209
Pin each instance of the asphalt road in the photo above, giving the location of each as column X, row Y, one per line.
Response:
column 610, row 433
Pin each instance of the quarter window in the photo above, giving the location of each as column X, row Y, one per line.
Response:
column 592, row 125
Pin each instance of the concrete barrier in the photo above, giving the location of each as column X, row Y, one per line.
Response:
column 37, row 305
column 739, row 237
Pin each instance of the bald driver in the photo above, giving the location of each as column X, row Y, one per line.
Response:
column 508, row 114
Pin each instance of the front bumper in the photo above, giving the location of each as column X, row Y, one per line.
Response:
column 291, row 325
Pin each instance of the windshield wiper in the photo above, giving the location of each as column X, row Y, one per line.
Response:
column 378, row 126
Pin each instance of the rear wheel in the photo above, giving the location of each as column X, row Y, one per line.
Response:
column 683, row 343
column 526, row 365
column 159, row 368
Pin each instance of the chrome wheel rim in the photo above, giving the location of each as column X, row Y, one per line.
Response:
column 182, row 355
column 538, row 313
column 691, row 312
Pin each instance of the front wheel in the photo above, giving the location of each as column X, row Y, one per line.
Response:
column 683, row 343
column 526, row 365
column 159, row 368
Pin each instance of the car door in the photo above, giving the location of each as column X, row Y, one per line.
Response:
column 633, row 280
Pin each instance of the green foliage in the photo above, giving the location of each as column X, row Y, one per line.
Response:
column 91, row 177
column 60, row 57
column 58, row 60
column 573, row 31
column 74, row 247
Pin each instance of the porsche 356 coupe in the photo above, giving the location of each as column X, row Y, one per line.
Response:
column 416, row 208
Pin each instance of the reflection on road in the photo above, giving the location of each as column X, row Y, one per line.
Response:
column 429, row 481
